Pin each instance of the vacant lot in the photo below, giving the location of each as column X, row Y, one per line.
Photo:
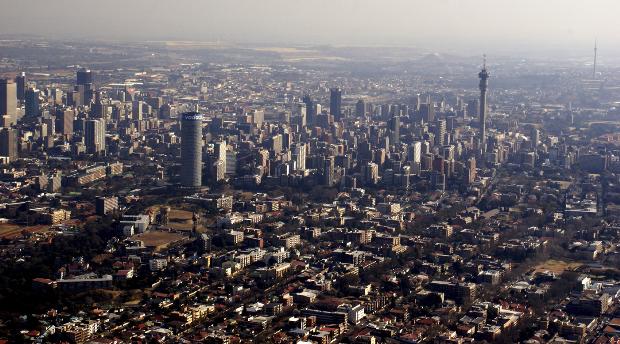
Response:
column 159, row 239
column 556, row 266
column 10, row 231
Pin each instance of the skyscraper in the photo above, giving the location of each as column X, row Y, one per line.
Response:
column 8, row 143
column 335, row 104
column 191, row 149
column 440, row 132
column 136, row 110
column 300, row 156
column 395, row 130
column 299, row 114
column 360, row 108
column 84, row 77
column 311, row 111
column 428, row 112
column 32, row 103
column 8, row 100
column 64, row 122
column 94, row 135
column 328, row 171
column 21, row 81
column 84, row 86
column 484, row 83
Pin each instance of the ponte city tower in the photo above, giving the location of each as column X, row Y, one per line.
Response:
column 191, row 149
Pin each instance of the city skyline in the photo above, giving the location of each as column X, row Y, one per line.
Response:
column 550, row 27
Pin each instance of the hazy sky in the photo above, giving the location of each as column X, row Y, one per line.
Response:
column 475, row 24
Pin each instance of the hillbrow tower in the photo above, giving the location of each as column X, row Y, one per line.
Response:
column 484, row 83
column 191, row 149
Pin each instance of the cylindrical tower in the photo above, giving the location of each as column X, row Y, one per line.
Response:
column 191, row 149
column 484, row 83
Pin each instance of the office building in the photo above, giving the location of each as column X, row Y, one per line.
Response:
column 106, row 205
column 8, row 143
column 32, row 100
column 191, row 149
column 94, row 135
column 335, row 104
column 64, row 122
column 84, row 77
column 300, row 156
column 311, row 111
column 22, row 84
column 137, row 110
column 395, row 130
column 8, row 100
column 360, row 108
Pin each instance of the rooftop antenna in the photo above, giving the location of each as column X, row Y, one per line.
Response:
column 484, row 61
column 594, row 69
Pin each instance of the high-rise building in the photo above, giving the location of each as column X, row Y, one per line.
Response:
column 64, row 122
column 84, row 77
column 335, row 104
column 311, row 111
column 84, row 86
column 258, row 117
column 473, row 107
column 415, row 152
column 360, row 108
column 22, row 82
column 328, row 171
column 395, row 130
column 8, row 100
column 300, row 156
column 8, row 143
column 220, row 153
column 299, row 114
column 33, row 107
column 370, row 173
column 191, row 149
column 276, row 143
column 94, row 135
column 427, row 111
column 484, row 83
column 106, row 205
column 440, row 132
column 535, row 137
column 136, row 110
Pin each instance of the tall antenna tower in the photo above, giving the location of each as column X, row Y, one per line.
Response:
column 594, row 68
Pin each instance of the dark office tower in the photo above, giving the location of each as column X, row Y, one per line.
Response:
column 473, row 106
column 21, row 82
column 395, row 130
column 191, row 149
column 84, row 77
column 32, row 103
column 484, row 83
column 328, row 171
column 8, row 143
column 94, row 135
column 360, row 108
column 427, row 111
column 8, row 101
column 335, row 104
column 136, row 110
column 311, row 111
